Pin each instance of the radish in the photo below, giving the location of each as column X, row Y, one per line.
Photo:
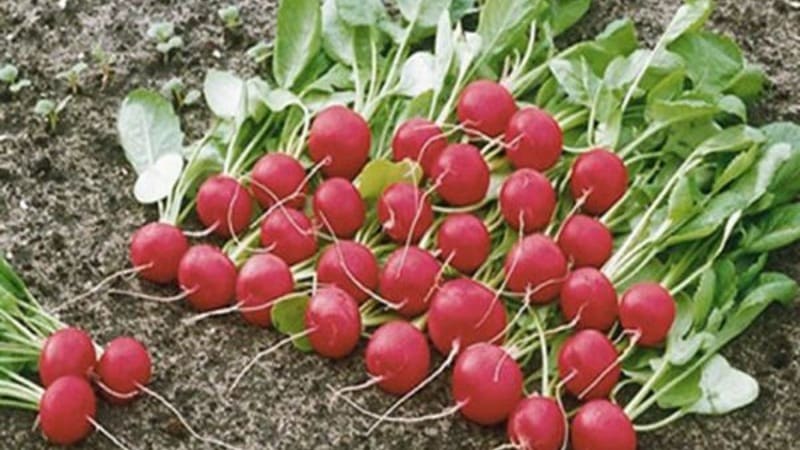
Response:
column 68, row 351
column 404, row 212
column 588, row 297
column 602, row 425
column 486, row 106
column 487, row 383
column 647, row 310
column 464, row 240
column 350, row 266
column 527, row 200
column 537, row 423
column 339, row 206
column 262, row 279
column 67, row 410
column 588, row 365
column 333, row 322
column 224, row 205
column 534, row 139
column 289, row 235
column 601, row 177
column 398, row 357
column 279, row 177
column 409, row 280
column 156, row 249
column 419, row 140
column 462, row 175
column 341, row 137
column 207, row 277
column 536, row 263
column 123, row 369
column 585, row 241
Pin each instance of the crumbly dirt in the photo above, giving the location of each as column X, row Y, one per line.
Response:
column 66, row 212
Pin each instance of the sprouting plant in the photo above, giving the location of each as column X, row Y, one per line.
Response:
column 106, row 61
column 50, row 110
column 259, row 52
column 8, row 75
column 230, row 17
column 163, row 33
column 73, row 76
column 175, row 90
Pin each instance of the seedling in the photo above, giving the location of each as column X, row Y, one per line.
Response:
column 8, row 75
column 73, row 76
column 230, row 17
column 50, row 110
column 259, row 52
column 163, row 33
column 175, row 91
column 106, row 62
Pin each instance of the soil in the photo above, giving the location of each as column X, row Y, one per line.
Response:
column 66, row 211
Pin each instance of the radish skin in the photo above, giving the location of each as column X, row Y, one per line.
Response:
column 585, row 241
column 462, row 175
column 647, row 310
column 487, row 382
column 527, row 200
column 590, row 297
column 261, row 280
column 464, row 240
column 68, row 351
column 338, row 205
column 279, row 177
column 602, row 425
column 333, row 322
column 486, row 106
column 207, row 278
column 601, row 177
column 343, row 139
column 537, row 423
column 536, row 263
column 224, row 205
column 289, row 235
column 66, row 410
column 350, row 266
column 398, row 355
column 157, row 248
column 419, row 140
column 409, row 279
column 405, row 212
column 124, row 367
column 534, row 139
column 588, row 358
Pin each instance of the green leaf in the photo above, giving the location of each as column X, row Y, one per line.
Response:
column 288, row 317
column 774, row 229
column 501, row 22
column 738, row 166
column 337, row 35
column 423, row 13
column 682, row 201
column 712, row 60
column 417, row 75
column 297, row 39
column 8, row 74
column 157, row 181
column 224, row 93
column 690, row 16
column 278, row 100
column 460, row 8
column 786, row 184
column 148, row 129
column 576, row 78
column 444, row 51
column 359, row 13
column 704, row 297
column 565, row 13
column 684, row 393
column 378, row 174
column 724, row 388
column 748, row 83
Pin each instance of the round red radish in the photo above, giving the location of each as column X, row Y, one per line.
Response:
column 223, row 203
column 487, row 382
column 158, row 248
column 404, row 212
column 647, row 309
column 350, row 266
column 601, row 176
column 464, row 240
column 338, row 205
column 588, row 358
column 536, row 263
column 333, row 322
column 462, row 175
column 66, row 410
column 419, row 140
column 399, row 356
column 342, row 139
column 527, row 200
column 262, row 279
column 534, row 139
column 208, row 277
column 289, row 234
column 409, row 279
column 585, row 241
column 602, row 425
column 123, row 368
column 464, row 312
column 537, row 423
column 486, row 106
column 588, row 292
column 278, row 177
column 68, row 351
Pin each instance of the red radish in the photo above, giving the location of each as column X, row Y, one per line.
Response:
column 398, row 355
column 602, row 425
column 262, row 279
column 343, row 138
column 419, row 140
column 534, row 139
column 409, row 279
column 68, row 351
column 536, row 263
column 649, row 310
column 333, row 322
column 158, row 248
column 588, row 360
column 487, row 382
column 207, row 277
column 224, row 204
column 601, row 176
column 527, row 200
column 486, row 106
column 588, row 293
column 404, row 212
column 339, row 206
column 278, row 177
column 289, row 234
column 464, row 312
column 350, row 266
column 123, row 369
column 66, row 410
column 464, row 240
column 462, row 175
column 537, row 423
column 585, row 241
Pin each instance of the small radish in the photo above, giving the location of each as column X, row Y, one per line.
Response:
column 68, row 351
column 338, row 205
column 343, row 138
column 648, row 310
column 464, row 240
column 289, row 235
column 585, row 241
column 601, row 177
column 157, row 248
column 350, row 266
column 409, row 280
column 419, row 140
column 333, row 322
column 404, row 212
column 487, row 383
column 462, row 175
column 123, row 369
column 587, row 363
column 398, row 355
column 278, row 177
column 536, row 263
column 67, row 409
column 589, row 294
column 486, row 106
column 224, row 205
column 537, row 423
column 534, row 139
column 602, row 425
column 527, row 200
column 207, row 277
column 262, row 279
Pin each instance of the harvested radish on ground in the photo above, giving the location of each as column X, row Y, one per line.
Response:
column 207, row 277
column 333, row 322
column 343, row 138
column 527, row 200
column 224, row 205
column 123, row 369
column 537, row 423
column 262, row 280
column 585, row 241
column 601, row 177
column 464, row 241
column 405, row 212
column 409, row 280
column 278, row 177
column 419, row 140
column 647, row 310
column 289, row 234
column 487, row 107
column 588, row 297
column 534, row 139
column 68, row 351
column 398, row 356
column 588, row 365
column 156, row 250
column 487, row 383
column 339, row 207
column 536, row 264
column 602, row 425
column 350, row 266
column 461, row 175
column 66, row 410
